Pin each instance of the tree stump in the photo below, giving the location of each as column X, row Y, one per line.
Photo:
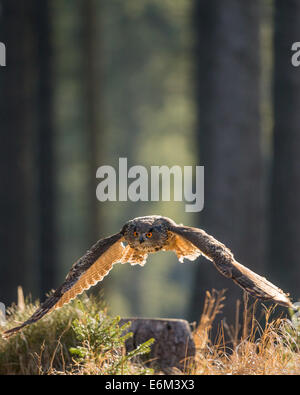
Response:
column 173, row 347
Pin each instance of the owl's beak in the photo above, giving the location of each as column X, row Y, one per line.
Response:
column 141, row 239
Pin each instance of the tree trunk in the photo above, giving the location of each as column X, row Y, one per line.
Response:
column 17, row 164
column 92, row 82
column 173, row 347
column 285, row 194
column 45, row 146
column 228, row 133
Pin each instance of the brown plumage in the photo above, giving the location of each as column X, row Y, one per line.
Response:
column 146, row 235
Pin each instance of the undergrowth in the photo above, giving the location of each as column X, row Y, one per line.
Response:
column 253, row 349
column 81, row 338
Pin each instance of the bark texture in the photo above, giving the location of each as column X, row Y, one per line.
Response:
column 174, row 345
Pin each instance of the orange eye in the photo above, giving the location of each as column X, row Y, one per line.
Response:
column 149, row 234
column 135, row 234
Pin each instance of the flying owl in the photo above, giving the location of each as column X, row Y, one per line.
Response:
column 140, row 237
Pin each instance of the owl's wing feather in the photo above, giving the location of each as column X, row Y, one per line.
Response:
column 86, row 272
column 183, row 248
column 224, row 261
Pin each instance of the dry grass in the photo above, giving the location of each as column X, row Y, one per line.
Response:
column 81, row 339
column 271, row 350
column 78, row 339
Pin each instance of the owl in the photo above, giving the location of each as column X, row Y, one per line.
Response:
column 146, row 235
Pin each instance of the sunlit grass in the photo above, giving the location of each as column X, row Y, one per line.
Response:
column 81, row 338
column 252, row 350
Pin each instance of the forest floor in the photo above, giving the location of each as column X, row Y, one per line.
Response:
column 82, row 338
column 271, row 348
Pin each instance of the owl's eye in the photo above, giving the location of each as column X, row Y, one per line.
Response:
column 149, row 234
column 135, row 234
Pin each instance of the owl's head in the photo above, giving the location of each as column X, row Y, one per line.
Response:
column 148, row 234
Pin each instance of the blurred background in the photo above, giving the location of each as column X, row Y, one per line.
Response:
column 172, row 82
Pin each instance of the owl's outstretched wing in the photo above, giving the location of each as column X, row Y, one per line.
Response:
column 224, row 261
column 87, row 271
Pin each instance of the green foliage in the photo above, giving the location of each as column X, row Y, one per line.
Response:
column 101, row 346
column 79, row 338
